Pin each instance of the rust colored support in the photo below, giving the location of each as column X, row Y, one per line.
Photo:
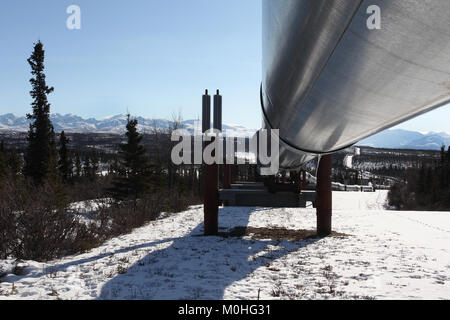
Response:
column 211, row 200
column 211, row 176
column 323, row 204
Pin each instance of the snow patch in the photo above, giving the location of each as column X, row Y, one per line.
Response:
column 386, row 255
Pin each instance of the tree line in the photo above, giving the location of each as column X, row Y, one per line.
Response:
column 426, row 188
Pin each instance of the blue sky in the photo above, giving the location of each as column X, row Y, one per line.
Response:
column 151, row 57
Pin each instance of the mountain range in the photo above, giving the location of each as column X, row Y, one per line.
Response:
column 393, row 139
column 404, row 139
column 113, row 124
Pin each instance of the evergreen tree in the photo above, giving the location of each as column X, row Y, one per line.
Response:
column 65, row 162
column 114, row 167
column 78, row 166
column 10, row 161
column 53, row 176
column 86, row 166
column 3, row 160
column 133, row 171
column 94, row 165
column 448, row 155
column 421, row 184
column 40, row 160
column 444, row 169
column 14, row 162
column 91, row 165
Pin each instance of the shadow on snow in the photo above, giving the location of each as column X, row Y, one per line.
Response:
column 198, row 267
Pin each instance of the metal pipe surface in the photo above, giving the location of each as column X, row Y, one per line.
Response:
column 330, row 81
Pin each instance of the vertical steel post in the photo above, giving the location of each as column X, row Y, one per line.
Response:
column 323, row 188
column 228, row 164
column 233, row 172
column 206, row 112
column 217, row 123
column 226, row 181
column 227, row 176
column 298, row 181
column 211, row 200
column 303, row 180
column 211, row 176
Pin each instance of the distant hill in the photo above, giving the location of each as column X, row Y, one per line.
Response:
column 393, row 139
column 114, row 124
column 404, row 139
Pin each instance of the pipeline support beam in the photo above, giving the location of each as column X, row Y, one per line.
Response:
column 211, row 178
column 324, row 196
column 211, row 192
column 211, row 200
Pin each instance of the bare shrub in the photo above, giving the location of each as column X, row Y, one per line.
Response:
column 35, row 223
column 35, row 226
column 8, row 207
column 125, row 216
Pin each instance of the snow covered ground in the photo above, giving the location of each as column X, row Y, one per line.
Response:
column 385, row 255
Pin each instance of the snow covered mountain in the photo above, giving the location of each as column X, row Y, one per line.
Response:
column 404, row 139
column 112, row 124
column 394, row 139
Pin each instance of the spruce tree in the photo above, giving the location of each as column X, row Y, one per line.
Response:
column 14, row 162
column 87, row 166
column 40, row 154
column 10, row 161
column 3, row 160
column 421, row 183
column 64, row 162
column 114, row 167
column 94, row 165
column 78, row 167
column 54, row 178
column 133, row 177
column 91, row 165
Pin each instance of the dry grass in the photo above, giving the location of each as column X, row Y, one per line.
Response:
column 275, row 234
